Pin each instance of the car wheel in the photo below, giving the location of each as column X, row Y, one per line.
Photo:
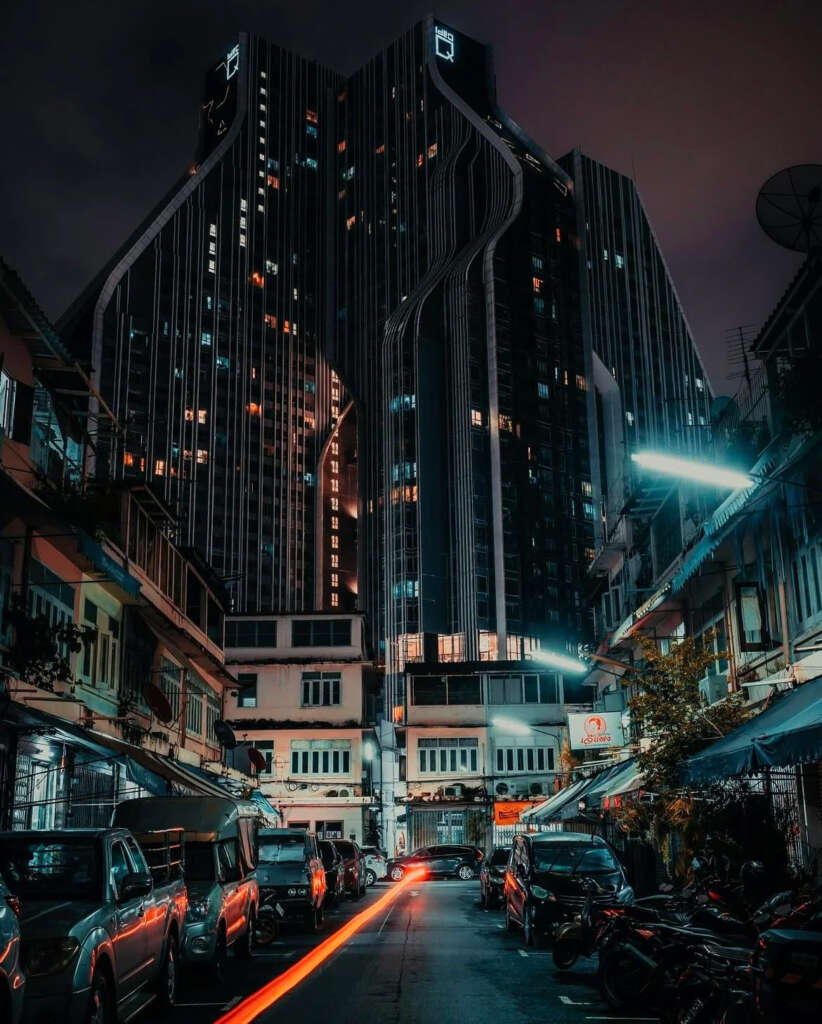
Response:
column 220, row 956
column 266, row 928
column 396, row 873
column 510, row 923
column 245, row 945
column 99, row 1002
column 464, row 872
column 370, row 877
column 167, row 979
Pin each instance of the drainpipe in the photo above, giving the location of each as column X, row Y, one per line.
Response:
column 783, row 615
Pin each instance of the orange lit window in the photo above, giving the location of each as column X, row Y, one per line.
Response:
column 311, row 115
column 309, row 421
column 335, row 599
column 202, row 456
column 160, row 467
column 335, row 540
column 335, row 579
column 128, row 459
column 142, row 464
column 432, row 150
column 273, row 181
column 335, row 485
column 335, row 522
column 410, row 492
column 335, row 561
column 189, row 415
column 341, row 146
column 186, row 453
column 335, row 504
column 286, row 327
column 257, row 279
column 419, row 160
column 270, row 320
column 505, row 423
column 380, row 149
column 537, row 283
column 582, row 383
column 341, row 194
column 253, row 408
column 352, row 220
column 558, row 235
column 201, row 415
column 476, row 418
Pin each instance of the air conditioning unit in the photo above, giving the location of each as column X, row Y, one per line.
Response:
column 332, row 792
column 454, row 790
column 713, row 688
column 344, row 792
column 535, row 788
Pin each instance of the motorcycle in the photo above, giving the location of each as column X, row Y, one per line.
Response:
column 267, row 923
column 581, row 935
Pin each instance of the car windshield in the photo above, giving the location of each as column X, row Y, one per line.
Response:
column 499, row 857
column 45, row 869
column 327, row 854
column 573, row 858
column 281, row 850
column 199, row 862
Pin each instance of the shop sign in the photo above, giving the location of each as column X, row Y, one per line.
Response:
column 598, row 729
column 507, row 812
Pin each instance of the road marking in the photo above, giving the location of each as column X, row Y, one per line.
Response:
column 571, row 1002
column 385, row 922
column 414, row 892
column 522, row 952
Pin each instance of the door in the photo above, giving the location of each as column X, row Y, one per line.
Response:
column 234, row 890
column 155, row 907
column 449, row 859
column 130, row 943
column 516, row 881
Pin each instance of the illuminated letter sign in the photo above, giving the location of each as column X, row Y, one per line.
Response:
column 444, row 44
column 232, row 62
column 601, row 729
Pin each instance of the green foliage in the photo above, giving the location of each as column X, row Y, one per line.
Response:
column 36, row 654
column 797, row 393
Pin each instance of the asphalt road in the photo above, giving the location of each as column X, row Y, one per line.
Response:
column 433, row 957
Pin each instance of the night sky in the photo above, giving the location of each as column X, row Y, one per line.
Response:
column 701, row 102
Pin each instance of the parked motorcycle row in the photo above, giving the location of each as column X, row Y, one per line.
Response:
column 724, row 950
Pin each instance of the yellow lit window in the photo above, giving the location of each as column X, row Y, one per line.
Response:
column 335, row 485
column 335, row 540
column 270, row 320
column 335, row 579
column 189, row 414
column 476, row 418
column 505, row 423
column 335, row 504
column 335, row 466
column 410, row 492
column 582, row 383
column 335, row 561
column 335, row 522
column 160, row 467
column 432, row 150
column 273, row 181
column 352, row 220
column 201, row 415
column 335, row 599
column 202, row 456
column 311, row 115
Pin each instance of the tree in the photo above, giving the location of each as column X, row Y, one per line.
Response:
column 672, row 714
column 37, row 654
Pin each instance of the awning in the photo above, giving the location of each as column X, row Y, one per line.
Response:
column 105, row 563
column 549, row 809
column 591, row 793
column 258, row 798
column 788, row 732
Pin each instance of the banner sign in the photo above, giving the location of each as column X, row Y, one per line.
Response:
column 507, row 812
column 598, row 729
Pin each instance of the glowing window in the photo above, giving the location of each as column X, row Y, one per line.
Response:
column 335, row 522
column 202, row 456
column 335, row 561
column 505, row 423
column 335, row 599
column 335, row 504
column 335, row 579
column 189, row 414
column 160, row 467
column 335, row 540
column 270, row 320
column 341, row 146
column 476, row 418
column 350, row 222
column 537, row 284
column 311, row 116
column 432, row 150
column 201, row 415
column 558, row 235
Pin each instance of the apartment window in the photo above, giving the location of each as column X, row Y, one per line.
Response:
column 266, row 748
column 537, row 262
column 159, row 467
column 539, row 305
column 194, row 707
column 335, row 504
column 335, row 599
column 251, row 633
column 335, row 522
column 201, row 415
column 335, row 561
column 446, row 755
column 505, row 690
column 247, row 693
column 330, row 830
column 476, row 418
column 619, row 260
column 321, row 757
column 542, row 389
column 540, row 689
column 321, row 633
column 341, row 146
column 335, row 579
column 431, row 690
column 321, row 689
column 432, row 150
column 750, row 614
column 524, row 759
column 536, row 283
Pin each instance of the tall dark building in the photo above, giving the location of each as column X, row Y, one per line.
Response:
column 458, row 328
column 206, row 331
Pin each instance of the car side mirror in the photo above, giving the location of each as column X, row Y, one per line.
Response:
column 134, row 885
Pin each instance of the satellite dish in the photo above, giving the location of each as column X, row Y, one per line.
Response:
column 225, row 734
column 157, row 702
column 257, row 758
column 789, row 207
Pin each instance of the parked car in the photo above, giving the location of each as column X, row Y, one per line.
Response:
column 376, row 864
column 219, row 869
column 354, row 867
column 438, row 862
column 292, row 879
column 545, row 879
column 492, row 877
column 12, row 979
column 334, row 871
column 100, row 936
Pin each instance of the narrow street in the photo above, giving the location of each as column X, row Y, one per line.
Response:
column 434, row 956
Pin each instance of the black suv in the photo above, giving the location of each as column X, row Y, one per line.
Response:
column 545, row 880
column 492, row 877
column 438, row 862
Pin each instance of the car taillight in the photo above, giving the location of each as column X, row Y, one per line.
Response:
column 14, row 903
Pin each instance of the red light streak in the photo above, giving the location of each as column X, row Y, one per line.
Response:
column 259, row 1001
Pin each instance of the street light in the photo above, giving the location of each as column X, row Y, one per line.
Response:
column 691, row 469
column 513, row 725
column 560, row 661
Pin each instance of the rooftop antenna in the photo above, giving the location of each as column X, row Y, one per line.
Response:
column 789, row 207
column 738, row 341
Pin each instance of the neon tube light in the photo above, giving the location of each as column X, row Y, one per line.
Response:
column 691, row 469
column 258, row 1002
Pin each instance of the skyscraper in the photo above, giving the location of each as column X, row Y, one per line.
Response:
column 458, row 327
column 206, row 332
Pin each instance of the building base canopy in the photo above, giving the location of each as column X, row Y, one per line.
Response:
column 788, row 732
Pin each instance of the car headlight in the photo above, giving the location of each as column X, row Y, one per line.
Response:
column 198, row 908
column 292, row 891
column 542, row 894
column 302, row 892
column 49, row 956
